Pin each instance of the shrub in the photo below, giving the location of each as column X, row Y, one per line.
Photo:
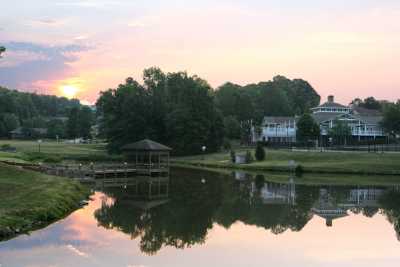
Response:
column 299, row 170
column 233, row 156
column 249, row 157
column 260, row 152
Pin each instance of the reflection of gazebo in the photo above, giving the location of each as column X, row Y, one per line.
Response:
column 330, row 214
column 149, row 155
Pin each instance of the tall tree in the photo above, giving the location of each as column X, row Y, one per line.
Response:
column 340, row 132
column 307, row 128
column 85, row 122
column 391, row 119
column 174, row 108
column 72, row 123
column 368, row 103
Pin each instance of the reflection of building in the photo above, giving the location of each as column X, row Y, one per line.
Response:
column 330, row 207
column 364, row 123
column 274, row 193
column 331, row 203
column 326, row 208
column 144, row 193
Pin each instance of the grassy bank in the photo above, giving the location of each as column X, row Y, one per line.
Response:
column 30, row 200
column 309, row 178
column 28, row 151
column 312, row 162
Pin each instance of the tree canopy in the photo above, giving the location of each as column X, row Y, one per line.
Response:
column 279, row 97
column 307, row 128
column 30, row 110
column 368, row 103
column 174, row 108
column 391, row 118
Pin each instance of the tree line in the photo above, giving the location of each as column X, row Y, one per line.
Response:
column 30, row 111
column 185, row 113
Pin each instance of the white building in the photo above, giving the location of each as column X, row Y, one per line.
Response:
column 364, row 123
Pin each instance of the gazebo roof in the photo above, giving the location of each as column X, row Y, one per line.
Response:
column 146, row 145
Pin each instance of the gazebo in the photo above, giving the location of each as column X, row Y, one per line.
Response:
column 148, row 155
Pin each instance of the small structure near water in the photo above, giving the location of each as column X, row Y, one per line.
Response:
column 145, row 158
column 148, row 154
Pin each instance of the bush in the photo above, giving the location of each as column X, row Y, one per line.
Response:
column 233, row 156
column 249, row 157
column 299, row 170
column 260, row 152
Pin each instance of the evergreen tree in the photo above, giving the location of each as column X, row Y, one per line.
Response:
column 307, row 128
column 260, row 152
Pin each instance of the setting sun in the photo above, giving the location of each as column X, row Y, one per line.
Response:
column 69, row 91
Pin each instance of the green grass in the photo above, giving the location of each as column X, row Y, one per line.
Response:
column 312, row 162
column 29, row 200
column 28, row 151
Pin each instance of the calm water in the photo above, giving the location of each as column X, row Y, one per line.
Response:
column 205, row 219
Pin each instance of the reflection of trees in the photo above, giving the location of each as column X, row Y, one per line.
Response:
column 390, row 203
column 240, row 205
column 194, row 207
column 182, row 222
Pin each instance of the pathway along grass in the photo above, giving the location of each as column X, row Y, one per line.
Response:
column 311, row 161
column 31, row 200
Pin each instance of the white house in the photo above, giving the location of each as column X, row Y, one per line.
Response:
column 364, row 123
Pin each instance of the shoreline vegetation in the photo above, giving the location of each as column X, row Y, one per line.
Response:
column 32, row 200
column 311, row 162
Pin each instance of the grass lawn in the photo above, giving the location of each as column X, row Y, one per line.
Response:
column 29, row 200
column 312, row 162
column 28, row 151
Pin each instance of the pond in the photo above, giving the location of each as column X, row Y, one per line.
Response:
column 198, row 218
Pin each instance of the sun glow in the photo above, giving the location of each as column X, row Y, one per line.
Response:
column 69, row 91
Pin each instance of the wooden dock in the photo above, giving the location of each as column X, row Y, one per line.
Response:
column 103, row 171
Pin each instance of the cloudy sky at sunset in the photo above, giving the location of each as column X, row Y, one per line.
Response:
column 347, row 48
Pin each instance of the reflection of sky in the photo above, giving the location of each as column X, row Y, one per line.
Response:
column 79, row 241
column 349, row 48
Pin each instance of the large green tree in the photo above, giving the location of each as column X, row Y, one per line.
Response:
column 368, row 103
column 174, row 108
column 391, row 119
column 307, row 128
column 340, row 132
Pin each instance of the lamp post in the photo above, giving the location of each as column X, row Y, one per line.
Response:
column 203, row 149
column 39, row 142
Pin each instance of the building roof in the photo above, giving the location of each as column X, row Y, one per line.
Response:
column 365, row 112
column 331, row 105
column 146, row 145
column 278, row 119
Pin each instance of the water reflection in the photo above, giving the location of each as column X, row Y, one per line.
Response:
column 179, row 212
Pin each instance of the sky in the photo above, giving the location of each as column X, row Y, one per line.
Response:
column 81, row 47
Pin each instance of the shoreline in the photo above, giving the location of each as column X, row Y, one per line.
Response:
column 281, row 169
column 31, row 200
